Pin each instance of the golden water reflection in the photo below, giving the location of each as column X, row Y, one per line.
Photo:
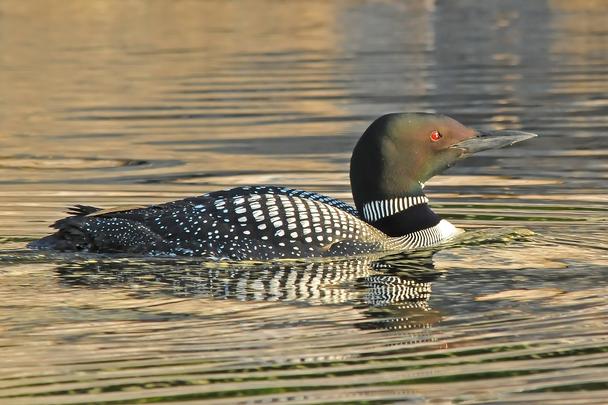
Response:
column 126, row 103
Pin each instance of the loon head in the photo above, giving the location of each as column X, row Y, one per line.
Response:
column 399, row 152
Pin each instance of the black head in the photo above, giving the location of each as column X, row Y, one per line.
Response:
column 401, row 151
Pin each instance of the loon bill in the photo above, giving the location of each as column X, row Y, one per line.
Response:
column 390, row 163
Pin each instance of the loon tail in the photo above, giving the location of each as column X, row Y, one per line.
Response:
column 69, row 235
column 93, row 229
column 81, row 210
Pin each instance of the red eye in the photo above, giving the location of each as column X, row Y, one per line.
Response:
column 435, row 136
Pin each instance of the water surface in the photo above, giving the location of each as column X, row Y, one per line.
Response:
column 122, row 103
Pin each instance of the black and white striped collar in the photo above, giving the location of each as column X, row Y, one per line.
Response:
column 376, row 210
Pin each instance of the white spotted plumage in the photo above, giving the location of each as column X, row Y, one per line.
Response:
column 256, row 223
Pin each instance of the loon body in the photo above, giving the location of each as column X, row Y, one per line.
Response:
column 389, row 165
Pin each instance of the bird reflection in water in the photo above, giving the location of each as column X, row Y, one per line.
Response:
column 390, row 293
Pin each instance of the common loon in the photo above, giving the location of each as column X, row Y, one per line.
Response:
column 390, row 163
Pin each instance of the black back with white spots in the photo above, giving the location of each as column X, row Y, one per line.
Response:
column 245, row 223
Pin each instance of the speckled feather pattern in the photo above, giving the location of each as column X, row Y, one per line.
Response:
column 255, row 223
column 244, row 223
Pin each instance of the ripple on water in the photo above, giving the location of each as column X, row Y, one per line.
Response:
column 144, row 102
column 64, row 163
column 269, row 330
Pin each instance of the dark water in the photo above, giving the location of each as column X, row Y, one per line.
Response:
column 121, row 103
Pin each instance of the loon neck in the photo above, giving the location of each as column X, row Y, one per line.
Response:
column 400, row 216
